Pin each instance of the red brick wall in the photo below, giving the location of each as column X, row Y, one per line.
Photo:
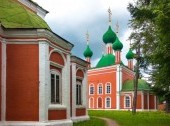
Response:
column 22, row 103
column 80, row 111
column 96, row 78
column 80, row 73
column 139, row 104
column 151, row 101
column 0, row 74
column 145, row 101
column 56, row 114
column 57, row 58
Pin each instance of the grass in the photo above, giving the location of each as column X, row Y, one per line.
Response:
column 125, row 118
column 91, row 122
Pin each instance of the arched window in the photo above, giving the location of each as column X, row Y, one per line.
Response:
column 100, row 89
column 99, row 102
column 108, row 88
column 91, row 89
column 78, row 93
column 55, row 87
column 91, row 102
column 127, row 102
column 108, row 102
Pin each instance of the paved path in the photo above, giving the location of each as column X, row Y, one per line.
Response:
column 108, row 121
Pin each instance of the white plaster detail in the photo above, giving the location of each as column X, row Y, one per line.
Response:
column 3, row 81
column 80, row 118
column 44, row 75
column 155, row 103
column 118, row 87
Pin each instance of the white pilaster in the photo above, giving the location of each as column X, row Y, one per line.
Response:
column 3, row 82
column 73, row 90
column 66, row 85
column 118, row 83
column 155, row 104
column 85, row 91
column 43, row 80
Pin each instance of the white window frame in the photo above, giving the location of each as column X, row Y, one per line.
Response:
column 91, row 85
column 108, row 83
column 106, row 102
column 125, row 101
column 55, row 72
column 81, row 99
column 98, row 88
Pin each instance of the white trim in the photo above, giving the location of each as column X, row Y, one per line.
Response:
column 91, row 85
column 108, row 84
column 97, row 102
column 100, row 85
column 106, row 102
column 125, row 107
column 90, row 102
column 3, row 81
column 43, row 80
column 118, row 81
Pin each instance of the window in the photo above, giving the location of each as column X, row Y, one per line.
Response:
column 108, row 103
column 100, row 89
column 55, row 88
column 91, row 89
column 78, row 93
column 108, row 88
column 99, row 102
column 127, row 102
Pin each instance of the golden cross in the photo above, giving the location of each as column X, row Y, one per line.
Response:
column 117, row 27
column 87, row 37
column 110, row 13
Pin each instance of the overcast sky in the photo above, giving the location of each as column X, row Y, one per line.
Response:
column 72, row 18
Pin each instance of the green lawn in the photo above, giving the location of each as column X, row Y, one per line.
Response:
column 91, row 122
column 125, row 118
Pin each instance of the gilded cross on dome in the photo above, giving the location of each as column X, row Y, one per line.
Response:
column 87, row 37
column 110, row 14
column 117, row 27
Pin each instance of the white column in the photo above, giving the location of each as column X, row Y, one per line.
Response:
column 73, row 90
column 43, row 80
column 85, row 91
column 155, row 104
column 118, row 82
column 3, row 81
column 66, row 85
column 148, row 100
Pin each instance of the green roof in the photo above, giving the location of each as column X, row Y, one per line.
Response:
column 129, row 86
column 106, row 60
column 88, row 52
column 14, row 15
column 130, row 54
column 117, row 45
column 109, row 36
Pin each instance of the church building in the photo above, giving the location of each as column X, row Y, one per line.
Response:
column 42, row 83
column 110, row 82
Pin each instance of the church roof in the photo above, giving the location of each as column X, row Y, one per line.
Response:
column 130, row 54
column 106, row 60
column 14, row 15
column 117, row 45
column 129, row 86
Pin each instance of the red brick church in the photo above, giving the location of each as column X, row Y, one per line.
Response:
column 110, row 82
column 41, row 82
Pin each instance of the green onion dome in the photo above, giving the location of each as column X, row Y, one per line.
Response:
column 117, row 45
column 88, row 52
column 130, row 54
column 109, row 36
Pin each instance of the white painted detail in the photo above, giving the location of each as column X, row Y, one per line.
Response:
column 44, row 75
column 118, row 87
column 80, row 118
column 3, row 81
column 85, row 92
column 155, row 104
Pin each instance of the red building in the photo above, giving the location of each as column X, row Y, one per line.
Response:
column 41, row 82
column 111, row 82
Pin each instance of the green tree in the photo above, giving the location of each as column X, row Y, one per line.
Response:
column 151, row 30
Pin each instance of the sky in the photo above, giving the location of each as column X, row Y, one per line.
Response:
column 71, row 19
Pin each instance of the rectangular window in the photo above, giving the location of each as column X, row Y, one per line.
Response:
column 100, row 90
column 91, row 90
column 55, row 89
column 78, row 94
column 127, row 101
column 108, row 89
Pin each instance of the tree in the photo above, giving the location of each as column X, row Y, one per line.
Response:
column 151, row 26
